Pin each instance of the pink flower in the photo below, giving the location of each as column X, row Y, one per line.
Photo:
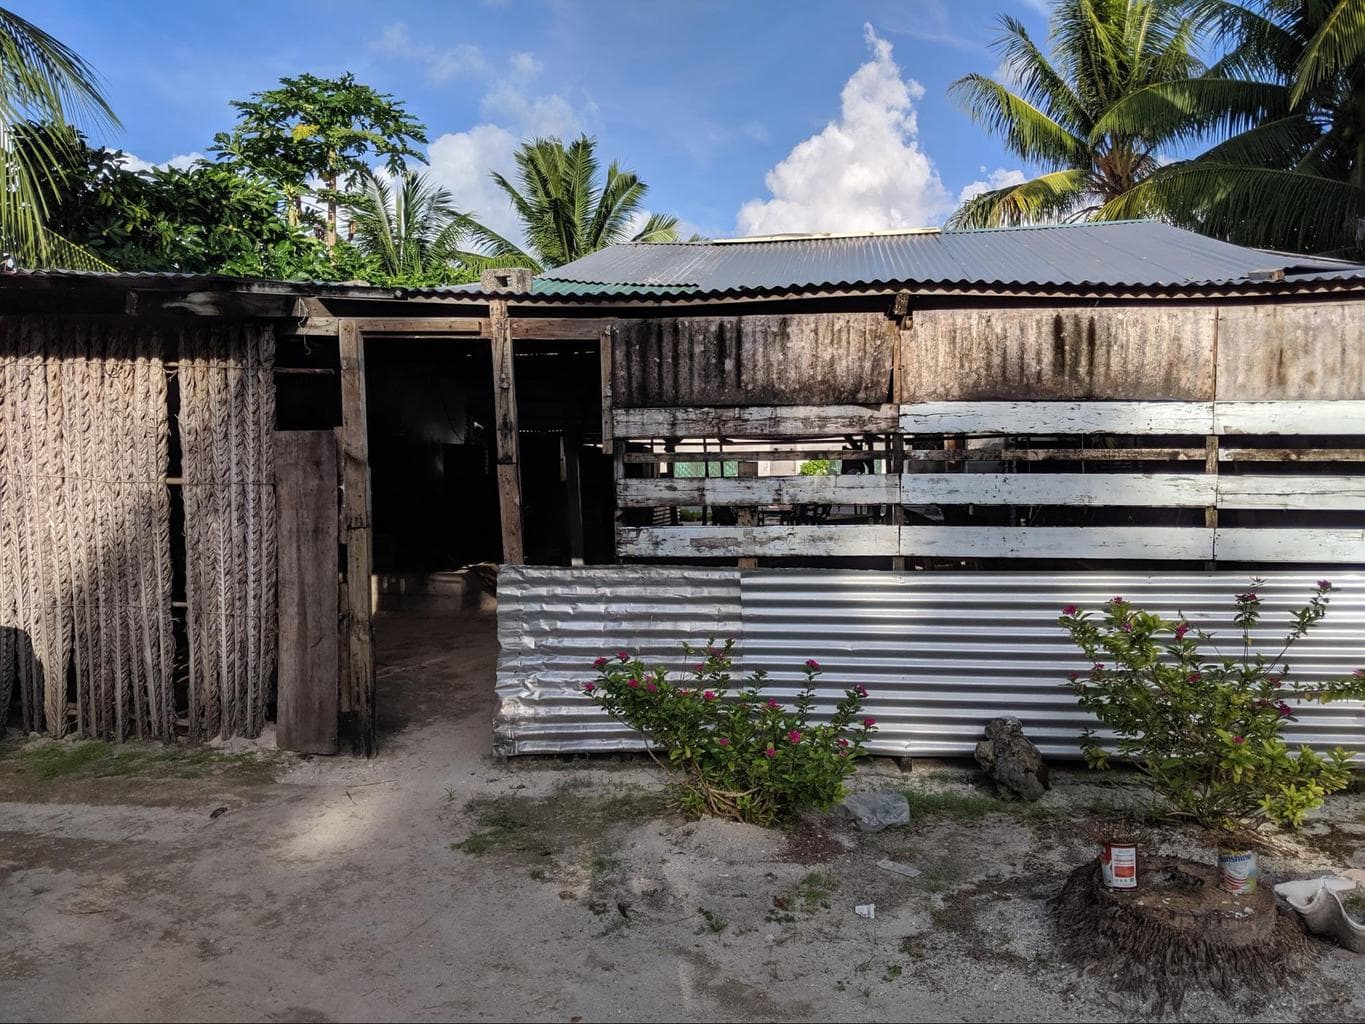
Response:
column 709, row 695
column 1194, row 677
column 1070, row 609
column 1099, row 666
column 724, row 741
column 634, row 684
column 1248, row 598
column 699, row 667
column 684, row 693
column 1359, row 673
column 1324, row 584
column 770, row 752
column 1239, row 740
column 1181, row 630
column 1127, row 627
column 773, row 705
column 860, row 690
column 1073, row 676
column 623, row 656
column 589, row 687
column 843, row 742
column 812, row 664
column 652, row 687
column 1116, row 600
column 714, row 652
column 600, row 664
column 794, row 736
column 869, row 722
column 1284, row 709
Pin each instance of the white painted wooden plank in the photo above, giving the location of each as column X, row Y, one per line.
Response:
column 1344, row 417
column 1292, row 492
column 1057, row 417
column 1147, row 490
column 754, row 421
column 851, row 489
column 741, row 541
column 1290, row 545
column 1146, row 542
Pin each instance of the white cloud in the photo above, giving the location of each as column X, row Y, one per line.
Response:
column 998, row 178
column 864, row 171
column 180, row 162
column 442, row 65
column 525, row 65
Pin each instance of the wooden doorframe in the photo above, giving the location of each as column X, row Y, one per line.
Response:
column 357, row 533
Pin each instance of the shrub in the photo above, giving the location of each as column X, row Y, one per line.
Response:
column 1206, row 729
column 816, row 467
column 742, row 755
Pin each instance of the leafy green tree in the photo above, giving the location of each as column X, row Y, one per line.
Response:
column 1053, row 112
column 41, row 79
column 202, row 219
column 1287, row 101
column 565, row 210
column 409, row 229
column 319, row 128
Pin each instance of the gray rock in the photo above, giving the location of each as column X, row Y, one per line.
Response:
column 1008, row 757
column 1357, row 859
column 873, row 812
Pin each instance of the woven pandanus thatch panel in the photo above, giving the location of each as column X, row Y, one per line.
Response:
column 227, row 420
column 85, row 561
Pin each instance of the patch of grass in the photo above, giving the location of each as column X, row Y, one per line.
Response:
column 1354, row 902
column 79, row 760
column 925, row 804
column 893, row 971
column 714, row 923
column 814, row 891
column 567, row 817
column 601, row 866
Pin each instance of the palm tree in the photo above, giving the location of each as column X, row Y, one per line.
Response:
column 409, row 227
column 565, row 212
column 41, row 80
column 1288, row 102
column 1051, row 112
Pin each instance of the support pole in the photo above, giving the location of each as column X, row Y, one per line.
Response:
column 359, row 538
column 508, row 443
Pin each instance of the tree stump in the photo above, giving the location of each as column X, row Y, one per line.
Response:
column 1177, row 930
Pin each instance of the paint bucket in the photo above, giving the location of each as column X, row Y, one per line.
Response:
column 1238, row 871
column 1118, row 865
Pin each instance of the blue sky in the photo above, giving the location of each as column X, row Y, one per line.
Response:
column 743, row 117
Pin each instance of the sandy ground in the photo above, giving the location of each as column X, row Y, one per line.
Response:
column 438, row 883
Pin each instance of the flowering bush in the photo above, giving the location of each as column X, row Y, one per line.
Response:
column 1206, row 729
column 742, row 755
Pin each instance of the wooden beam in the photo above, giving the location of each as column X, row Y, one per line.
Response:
column 742, row 541
column 359, row 535
column 606, row 339
column 505, row 430
column 1346, row 493
column 1155, row 490
column 791, row 421
column 559, row 328
column 306, row 510
column 573, row 492
column 1005, row 453
column 853, row 489
column 1021, row 418
column 1331, row 417
column 1290, row 545
column 1136, row 542
column 762, row 454
column 425, row 325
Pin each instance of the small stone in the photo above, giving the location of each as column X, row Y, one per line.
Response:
column 873, row 812
column 1011, row 759
column 1357, row 859
column 896, row 867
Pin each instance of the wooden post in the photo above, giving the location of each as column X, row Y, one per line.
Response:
column 1211, row 511
column 897, row 509
column 605, row 341
column 508, row 443
column 306, row 510
column 573, row 493
column 747, row 515
column 359, row 538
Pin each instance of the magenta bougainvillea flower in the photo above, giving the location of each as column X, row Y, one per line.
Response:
column 770, row 752
column 622, row 656
column 1181, row 630
column 1324, row 584
column 869, row 722
column 772, row 705
column 1116, row 599
column 634, row 684
column 652, row 687
column 794, row 736
column 812, row 664
column 1239, row 740
column 1070, row 609
column 1194, row 677
column 709, row 695
column 724, row 741
column 589, row 687
column 860, row 690
column 600, row 663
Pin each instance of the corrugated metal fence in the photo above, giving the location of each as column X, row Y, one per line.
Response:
column 941, row 652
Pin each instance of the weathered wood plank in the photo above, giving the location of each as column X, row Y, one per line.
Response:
column 1134, row 352
column 757, row 541
column 1292, row 492
column 1005, row 453
column 472, row 326
column 1290, row 351
column 1019, row 418
column 1155, row 490
column 1295, row 417
column 1144, row 542
column 791, row 421
column 306, row 510
column 508, row 442
column 830, row 450
column 852, row 489
column 359, row 535
column 559, row 328
column 1227, row 454
column 1290, row 545
column 829, row 358
column 604, row 345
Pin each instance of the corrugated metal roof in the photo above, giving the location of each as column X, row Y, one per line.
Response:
column 1133, row 254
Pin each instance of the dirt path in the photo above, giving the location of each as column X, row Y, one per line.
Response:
column 435, row 883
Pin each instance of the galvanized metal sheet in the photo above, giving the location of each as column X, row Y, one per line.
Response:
column 941, row 652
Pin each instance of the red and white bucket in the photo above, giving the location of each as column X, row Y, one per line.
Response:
column 1118, row 865
column 1238, row 871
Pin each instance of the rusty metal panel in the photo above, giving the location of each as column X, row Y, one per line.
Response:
column 1140, row 352
column 808, row 359
column 1291, row 351
column 940, row 652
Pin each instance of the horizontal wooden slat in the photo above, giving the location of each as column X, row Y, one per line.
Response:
column 1057, row 418
column 558, row 328
column 1291, row 545
column 1145, row 542
column 1290, row 417
column 1226, row 454
column 732, row 454
column 1292, row 492
column 751, row 541
column 1005, row 453
column 1165, row 490
column 422, row 325
column 851, row 489
column 793, row 421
